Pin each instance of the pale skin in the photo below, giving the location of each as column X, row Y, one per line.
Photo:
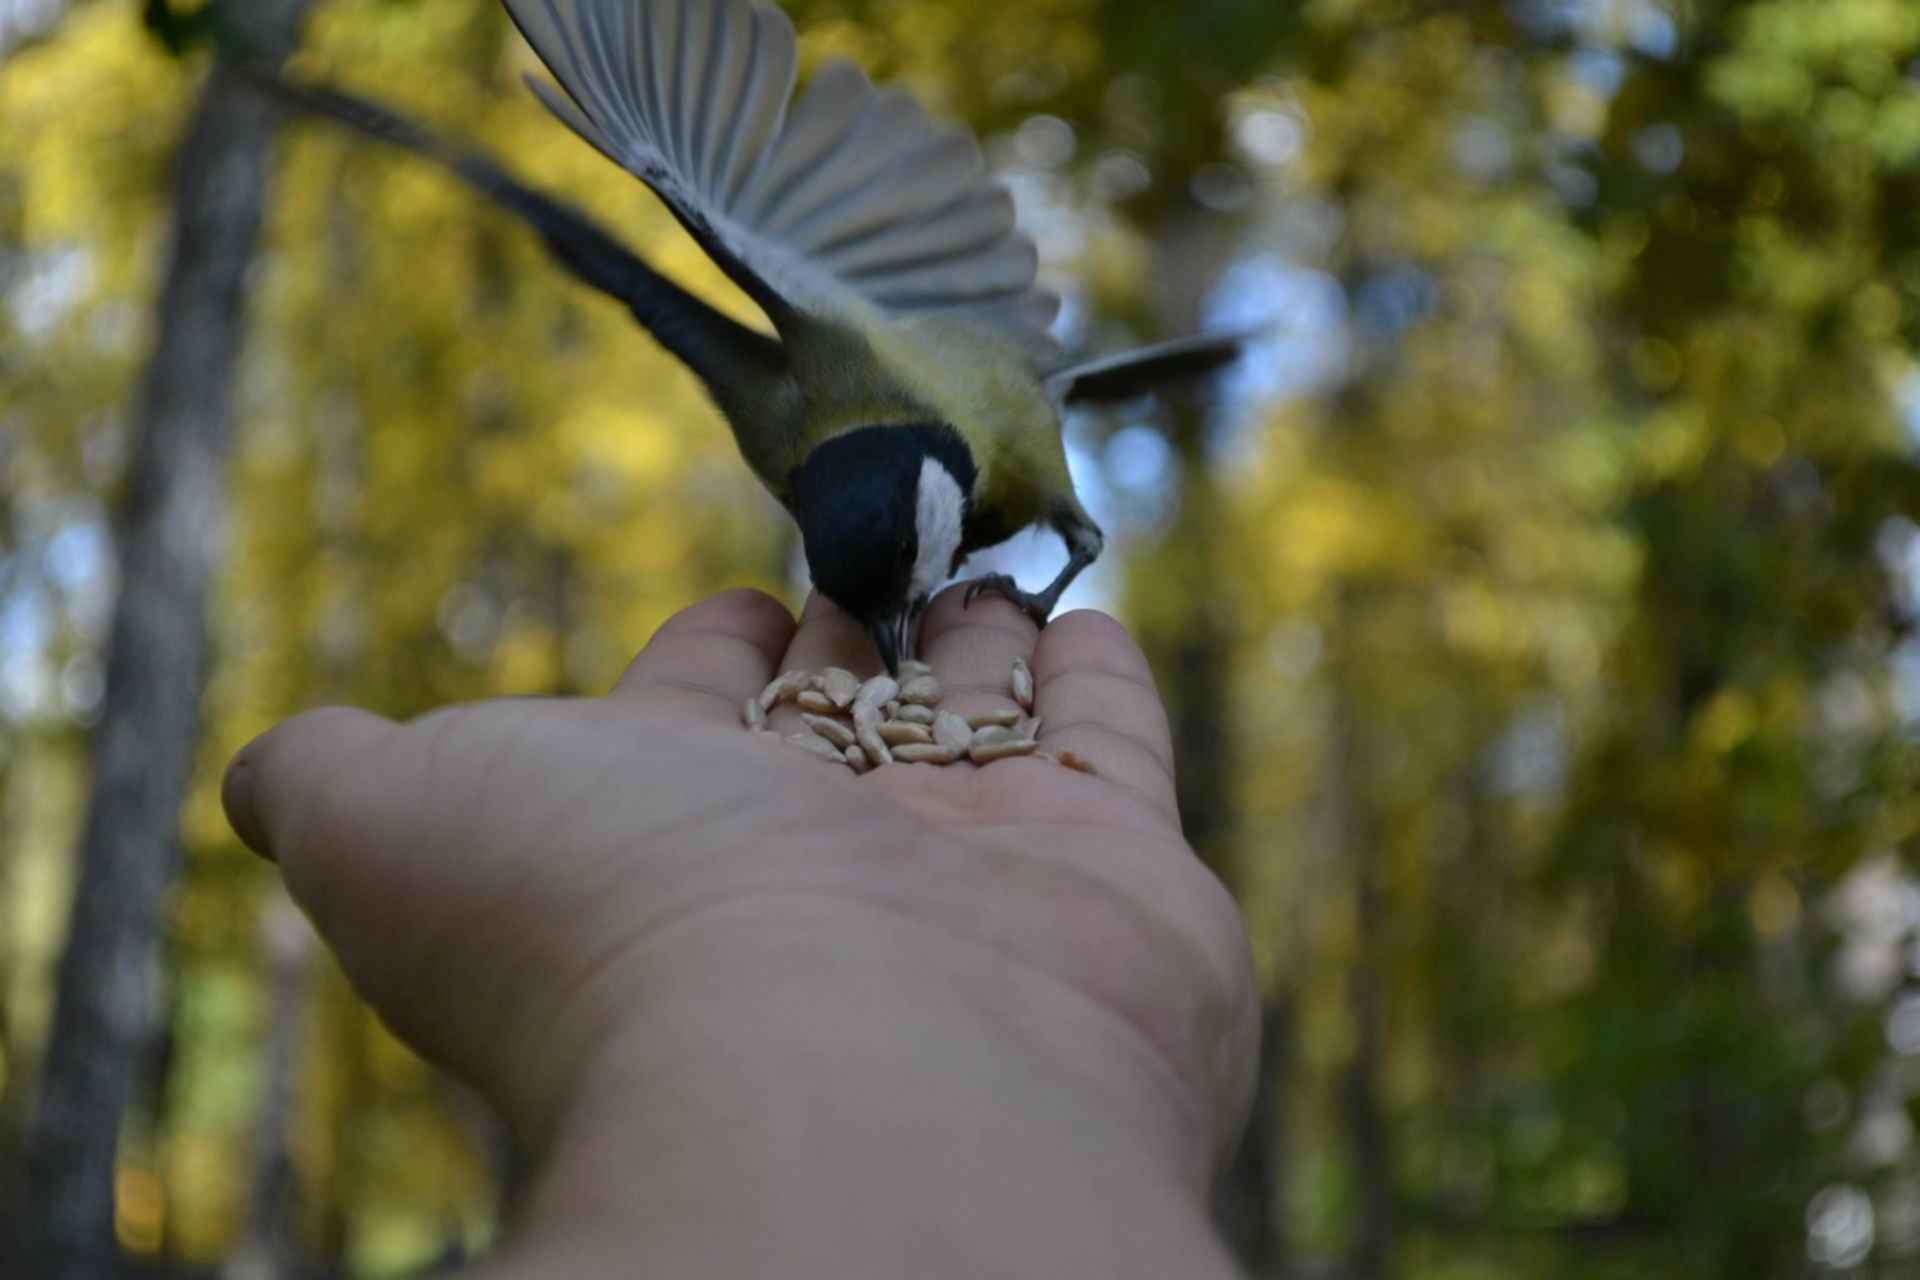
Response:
column 750, row 1015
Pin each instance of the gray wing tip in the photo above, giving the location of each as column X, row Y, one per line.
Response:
column 778, row 18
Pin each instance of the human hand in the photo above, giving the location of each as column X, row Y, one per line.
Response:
column 637, row 927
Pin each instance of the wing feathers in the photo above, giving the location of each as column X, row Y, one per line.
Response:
column 768, row 87
column 960, row 280
column 858, row 160
column 729, row 45
column 817, row 126
column 845, row 193
column 900, row 193
column 970, row 225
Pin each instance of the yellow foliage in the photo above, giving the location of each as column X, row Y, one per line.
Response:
column 1727, row 720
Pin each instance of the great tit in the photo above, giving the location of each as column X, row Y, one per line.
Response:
column 908, row 412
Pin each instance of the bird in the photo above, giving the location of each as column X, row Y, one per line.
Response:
column 907, row 409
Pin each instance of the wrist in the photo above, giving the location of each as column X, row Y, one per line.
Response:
column 846, row 1084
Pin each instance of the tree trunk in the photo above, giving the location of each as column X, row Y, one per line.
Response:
column 169, row 542
column 1371, row 1254
column 269, row 1249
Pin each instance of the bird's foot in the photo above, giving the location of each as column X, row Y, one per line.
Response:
column 1038, row 607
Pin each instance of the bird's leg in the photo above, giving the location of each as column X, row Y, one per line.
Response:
column 1084, row 545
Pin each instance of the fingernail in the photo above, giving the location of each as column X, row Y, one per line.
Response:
column 237, row 796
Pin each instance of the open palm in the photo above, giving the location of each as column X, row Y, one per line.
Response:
column 499, row 878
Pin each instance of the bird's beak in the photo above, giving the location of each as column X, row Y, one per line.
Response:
column 893, row 637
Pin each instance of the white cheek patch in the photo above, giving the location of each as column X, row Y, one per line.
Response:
column 938, row 514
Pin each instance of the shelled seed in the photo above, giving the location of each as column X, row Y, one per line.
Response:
column 987, row 753
column 832, row 730
column 866, row 728
column 898, row 733
column 988, row 734
column 841, row 686
column 924, row 691
column 784, row 689
column 819, row 746
column 865, row 725
column 1023, row 683
column 877, row 692
column 925, row 753
column 950, row 731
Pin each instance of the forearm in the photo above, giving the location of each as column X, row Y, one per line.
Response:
column 821, row 1100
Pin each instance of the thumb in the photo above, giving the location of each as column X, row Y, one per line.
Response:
column 334, row 797
column 281, row 782
column 370, row 822
column 330, row 796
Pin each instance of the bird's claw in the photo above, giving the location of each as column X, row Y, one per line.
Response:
column 1035, row 607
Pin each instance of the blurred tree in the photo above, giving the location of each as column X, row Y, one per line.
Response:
column 104, row 1022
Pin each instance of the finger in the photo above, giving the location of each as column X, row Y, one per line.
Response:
column 830, row 637
column 268, row 788
column 374, row 827
column 971, row 650
column 339, row 800
column 714, row 656
column 1096, row 696
column 329, row 795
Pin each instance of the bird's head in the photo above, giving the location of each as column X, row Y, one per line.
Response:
column 882, row 511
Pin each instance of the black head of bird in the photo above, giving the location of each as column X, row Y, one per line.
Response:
column 883, row 512
column 906, row 409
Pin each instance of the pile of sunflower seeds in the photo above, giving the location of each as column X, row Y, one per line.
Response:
column 886, row 721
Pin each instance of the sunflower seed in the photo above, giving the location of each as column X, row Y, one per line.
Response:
column 877, row 692
column 898, row 719
column 817, row 745
column 784, row 689
column 987, row 753
column 925, row 753
column 832, row 730
column 842, row 686
column 898, row 733
column 866, row 729
column 987, row 735
column 924, row 691
column 1023, row 683
column 950, row 731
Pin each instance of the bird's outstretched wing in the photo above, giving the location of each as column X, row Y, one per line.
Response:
column 1123, row 376
column 821, row 205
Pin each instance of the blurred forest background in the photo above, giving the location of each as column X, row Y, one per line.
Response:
column 1537, row 604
